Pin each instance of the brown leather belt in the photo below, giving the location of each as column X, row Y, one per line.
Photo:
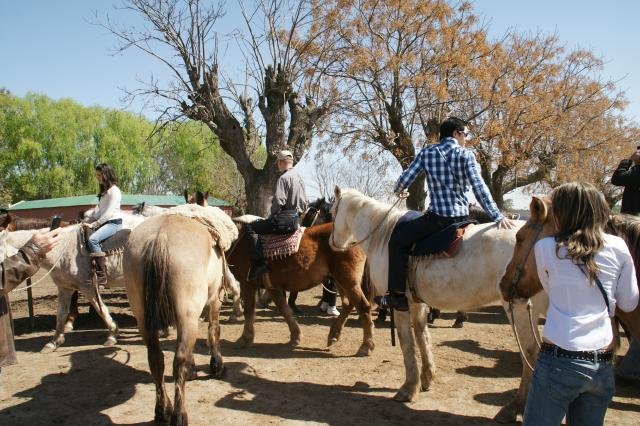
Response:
column 592, row 356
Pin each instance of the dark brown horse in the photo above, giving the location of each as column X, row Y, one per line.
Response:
column 312, row 264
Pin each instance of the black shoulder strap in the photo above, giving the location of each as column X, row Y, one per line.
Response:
column 600, row 287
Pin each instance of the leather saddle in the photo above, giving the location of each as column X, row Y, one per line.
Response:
column 444, row 243
column 112, row 245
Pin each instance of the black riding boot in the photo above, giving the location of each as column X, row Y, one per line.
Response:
column 101, row 269
column 258, row 265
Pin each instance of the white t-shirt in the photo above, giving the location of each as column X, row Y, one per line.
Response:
column 109, row 206
column 577, row 318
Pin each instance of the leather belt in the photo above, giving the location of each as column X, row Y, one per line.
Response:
column 592, row 356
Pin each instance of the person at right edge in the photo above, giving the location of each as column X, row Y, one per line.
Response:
column 628, row 175
column 587, row 275
column 451, row 169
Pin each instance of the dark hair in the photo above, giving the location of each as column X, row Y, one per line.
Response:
column 450, row 125
column 108, row 178
column 581, row 212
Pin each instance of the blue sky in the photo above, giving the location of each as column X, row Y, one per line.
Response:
column 51, row 47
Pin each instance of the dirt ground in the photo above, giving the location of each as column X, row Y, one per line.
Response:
column 269, row 383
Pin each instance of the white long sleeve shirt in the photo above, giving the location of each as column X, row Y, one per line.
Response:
column 577, row 317
column 108, row 208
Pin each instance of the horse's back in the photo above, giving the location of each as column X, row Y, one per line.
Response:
column 469, row 279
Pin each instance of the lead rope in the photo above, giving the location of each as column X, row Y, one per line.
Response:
column 49, row 271
column 515, row 332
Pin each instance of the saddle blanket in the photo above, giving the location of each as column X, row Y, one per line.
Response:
column 444, row 243
column 275, row 246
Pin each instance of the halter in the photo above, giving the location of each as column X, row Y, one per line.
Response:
column 355, row 243
column 513, row 293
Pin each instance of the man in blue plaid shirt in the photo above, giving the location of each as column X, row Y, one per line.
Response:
column 450, row 170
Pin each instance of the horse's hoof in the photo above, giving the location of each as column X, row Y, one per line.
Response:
column 364, row 350
column 163, row 414
column 403, row 396
column 48, row 348
column 217, row 369
column 179, row 419
column 68, row 327
column 244, row 341
column 164, row 333
column 507, row 414
column 236, row 318
column 457, row 324
column 192, row 374
column 331, row 341
column 111, row 341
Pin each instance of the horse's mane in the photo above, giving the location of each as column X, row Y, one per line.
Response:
column 373, row 212
column 628, row 227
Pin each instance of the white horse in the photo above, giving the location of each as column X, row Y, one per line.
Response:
column 467, row 281
column 70, row 270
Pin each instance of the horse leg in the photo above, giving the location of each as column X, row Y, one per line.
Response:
column 102, row 310
column 182, row 367
column 340, row 320
column 434, row 313
column 64, row 300
column 281, row 303
column 409, row 388
column 215, row 363
column 233, row 286
column 73, row 313
column 423, row 339
column 527, row 337
column 163, row 410
column 461, row 317
column 248, row 293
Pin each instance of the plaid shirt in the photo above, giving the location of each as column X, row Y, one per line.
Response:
column 450, row 170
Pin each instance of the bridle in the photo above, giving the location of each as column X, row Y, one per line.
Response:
column 332, row 241
column 513, row 294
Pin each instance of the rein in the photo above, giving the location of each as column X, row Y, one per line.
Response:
column 513, row 293
column 355, row 243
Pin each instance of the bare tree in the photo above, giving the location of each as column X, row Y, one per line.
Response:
column 181, row 34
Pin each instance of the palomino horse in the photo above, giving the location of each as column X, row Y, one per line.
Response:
column 70, row 270
column 520, row 280
column 468, row 280
column 311, row 265
column 175, row 266
column 231, row 285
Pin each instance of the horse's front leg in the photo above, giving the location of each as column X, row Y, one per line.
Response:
column 64, row 301
column 248, row 293
column 411, row 384
column 216, row 362
column 73, row 313
column 103, row 311
column 419, row 319
column 527, row 336
column 281, row 302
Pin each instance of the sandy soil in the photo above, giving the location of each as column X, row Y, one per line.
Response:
column 268, row 383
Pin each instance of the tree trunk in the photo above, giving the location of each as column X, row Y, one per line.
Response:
column 416, row 200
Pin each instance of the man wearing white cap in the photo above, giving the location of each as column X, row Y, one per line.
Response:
column 288, row 202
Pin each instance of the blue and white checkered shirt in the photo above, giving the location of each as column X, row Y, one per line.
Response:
column 450, row 170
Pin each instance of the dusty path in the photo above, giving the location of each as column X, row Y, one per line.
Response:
column 269, row 383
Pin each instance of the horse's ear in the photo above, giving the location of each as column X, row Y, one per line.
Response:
column 186, row 196
column 142, row 204
column 337, row 192
column 538, row 209
column 206, row 195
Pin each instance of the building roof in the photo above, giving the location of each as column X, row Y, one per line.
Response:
column 92, row 200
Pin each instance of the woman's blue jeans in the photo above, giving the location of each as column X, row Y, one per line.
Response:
column 579, row 389
column 101, row 234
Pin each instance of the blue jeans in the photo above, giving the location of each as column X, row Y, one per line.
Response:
column 101, row 234
column 579, row 389
column 629, row 367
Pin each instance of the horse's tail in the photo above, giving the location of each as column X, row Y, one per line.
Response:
column 367, row 286
column 159, row 311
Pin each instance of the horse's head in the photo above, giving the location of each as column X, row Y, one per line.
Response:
column 6, row 220
column 323, row 209
column 343, row 210
column 139, row 208
column 521, row 276
column 200, row 198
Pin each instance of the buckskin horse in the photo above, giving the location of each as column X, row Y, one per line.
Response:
column 466, row 281
column 308, row 267
column 175, row 266
column 520, row 281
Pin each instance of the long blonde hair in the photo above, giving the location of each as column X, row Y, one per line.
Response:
column 581, row 214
